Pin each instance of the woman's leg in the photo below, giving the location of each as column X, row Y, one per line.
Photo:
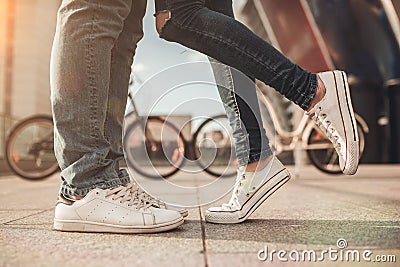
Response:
column 227, row 40
column 194, row 25
column 238, row 93
column 326, row 97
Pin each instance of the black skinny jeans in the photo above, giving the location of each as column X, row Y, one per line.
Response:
column 208, row 26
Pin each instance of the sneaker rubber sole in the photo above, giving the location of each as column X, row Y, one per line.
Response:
column 96, row 227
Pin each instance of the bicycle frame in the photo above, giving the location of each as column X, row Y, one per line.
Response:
column 294, row 136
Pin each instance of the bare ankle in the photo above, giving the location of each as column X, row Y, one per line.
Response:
column 75, row 197
column 319, row 94
column 258, row 165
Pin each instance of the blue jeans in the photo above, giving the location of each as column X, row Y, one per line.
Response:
column 209, row 27
column 196, row 26
column 91, row 60
column 238, row 94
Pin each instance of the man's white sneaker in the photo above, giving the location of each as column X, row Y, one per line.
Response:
column 250, row 191
column 335, row 117
column 118, row 210
column 162, row 205
column 158, row 203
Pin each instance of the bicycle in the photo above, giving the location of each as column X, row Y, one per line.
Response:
column 158, row 149
column 155, row 147
column 29, row 149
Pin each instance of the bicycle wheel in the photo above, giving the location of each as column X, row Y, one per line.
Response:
column 214, row 147
column 154, row 147
column 30, row 149
column 322, row 153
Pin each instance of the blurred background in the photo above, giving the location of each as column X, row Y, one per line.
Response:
column 361, row 37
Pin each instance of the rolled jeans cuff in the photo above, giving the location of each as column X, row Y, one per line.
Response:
column 313, row 85
column 259, row 156
column 247, row 155
column 106, row 183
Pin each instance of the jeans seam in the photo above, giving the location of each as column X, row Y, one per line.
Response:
column 233, row 95
column 229, row 79
column 92, row 84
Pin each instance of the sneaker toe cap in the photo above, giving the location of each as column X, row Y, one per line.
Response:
column 165, row 216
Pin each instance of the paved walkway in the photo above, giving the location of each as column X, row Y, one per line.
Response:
column 310, row 213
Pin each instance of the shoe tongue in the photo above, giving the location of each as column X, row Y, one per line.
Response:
column 240, row 171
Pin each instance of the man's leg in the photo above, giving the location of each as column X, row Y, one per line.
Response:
column 121, row 62
column 80, row 79
column 90, row 39
column 121, row 65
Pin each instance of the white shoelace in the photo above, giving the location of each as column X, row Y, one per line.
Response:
column 234, row 202
column 149, row 198
column 329, row 130
column 130, row 194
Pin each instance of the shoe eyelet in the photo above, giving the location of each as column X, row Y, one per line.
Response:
column 247, row 195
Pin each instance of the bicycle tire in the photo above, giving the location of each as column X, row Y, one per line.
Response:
column 13, row 157
column 315, row 155
column 197, row 150
column 132, row 161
